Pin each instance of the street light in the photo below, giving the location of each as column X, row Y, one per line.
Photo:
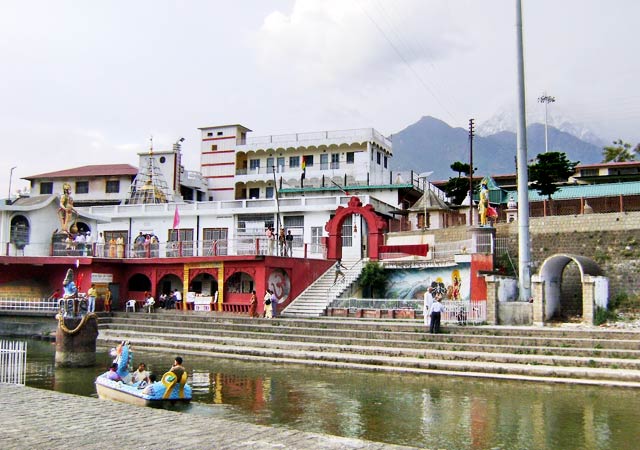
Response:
column 546, row 99
column 10, row 177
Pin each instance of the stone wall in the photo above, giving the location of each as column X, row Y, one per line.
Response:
column 612, row 240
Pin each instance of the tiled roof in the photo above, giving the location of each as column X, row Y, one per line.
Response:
column 100, row 170
column 588, row 191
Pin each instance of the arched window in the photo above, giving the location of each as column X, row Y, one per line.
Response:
column 19, row 232
column 139, row 283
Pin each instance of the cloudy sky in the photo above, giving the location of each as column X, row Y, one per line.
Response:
column 87, row 82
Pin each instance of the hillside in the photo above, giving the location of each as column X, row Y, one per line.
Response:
column 432, row 145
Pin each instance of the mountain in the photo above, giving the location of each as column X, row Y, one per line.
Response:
column 432, row 145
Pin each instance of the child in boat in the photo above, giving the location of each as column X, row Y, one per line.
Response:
column 113, row 373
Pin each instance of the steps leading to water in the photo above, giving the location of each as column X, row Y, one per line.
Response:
column 587, row 356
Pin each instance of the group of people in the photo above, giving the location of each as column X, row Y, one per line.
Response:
column 285, row 242
column 270, row 303
column 169, row 300
column 141, row 376
column 146, row 246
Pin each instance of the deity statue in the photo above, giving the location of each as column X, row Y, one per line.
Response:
column 67, row 213
column 483, row 203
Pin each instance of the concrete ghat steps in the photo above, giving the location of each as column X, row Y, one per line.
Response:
column 590, row 356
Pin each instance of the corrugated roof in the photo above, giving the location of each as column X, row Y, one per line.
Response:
column 100, row 170
column 588, row 191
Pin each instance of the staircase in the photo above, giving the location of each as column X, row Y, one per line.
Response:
column 314, row 300
column 590, row 356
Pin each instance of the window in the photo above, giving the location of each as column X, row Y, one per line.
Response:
column 308, row 159
column 270, row 161
column 324, row 161
column 180, row 242
column 280, row 162
column 219, row 133
column 46, row 188
column 350, row 157
column 295, row 224
column 215, row 241
column 82, row 187
column 163, row 160
column 254, row 164
column 294, row 161
column 378, row 158
column 385, row 161
column 316, row 239
column 335, row 160
column 347, row 232
column 113, row 187
column 214, row 147
column 209, row 134
column 254, row 192
column 269, row 192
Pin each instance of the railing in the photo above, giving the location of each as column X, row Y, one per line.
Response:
column 29, row 304
column 251, row 244
column 447, row 250
column 346, row 135
column 464, row 312
column 13, row 362
column 453, row 311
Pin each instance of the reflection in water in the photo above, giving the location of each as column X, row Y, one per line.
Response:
column 423, row 411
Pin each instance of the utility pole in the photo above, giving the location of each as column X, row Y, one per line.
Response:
column 546, row 99
column 524, row 250
column 470, row 172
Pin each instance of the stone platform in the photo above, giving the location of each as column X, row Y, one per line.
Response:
column 41, row 419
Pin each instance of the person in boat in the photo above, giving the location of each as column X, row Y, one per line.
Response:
column 142, row 374
column 177, row 367
column 113, row 373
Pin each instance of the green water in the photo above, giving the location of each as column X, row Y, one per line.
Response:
column 423, row 411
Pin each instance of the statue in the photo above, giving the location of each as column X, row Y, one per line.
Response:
column 67, row 213
column 483, row 203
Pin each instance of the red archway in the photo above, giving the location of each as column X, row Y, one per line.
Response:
column 375, row 224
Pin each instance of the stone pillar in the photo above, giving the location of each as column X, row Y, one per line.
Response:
column 493, row 314
column 76, row 341
column 539, row 300
column 588, row 299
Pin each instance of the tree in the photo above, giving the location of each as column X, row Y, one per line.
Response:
column 458, row 188
column 374, row 277
column 619, row 152
column 548, row 170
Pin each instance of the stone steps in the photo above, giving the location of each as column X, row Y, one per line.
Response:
column 590, row 356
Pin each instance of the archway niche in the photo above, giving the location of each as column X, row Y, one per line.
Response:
column 168, row 283
column 568, row 286
column 375, row 225
column 139, row 283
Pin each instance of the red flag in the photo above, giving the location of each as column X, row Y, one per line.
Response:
column 176, row 218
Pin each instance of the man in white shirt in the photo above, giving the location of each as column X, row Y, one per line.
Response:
column 436, row 310
column 178, row 296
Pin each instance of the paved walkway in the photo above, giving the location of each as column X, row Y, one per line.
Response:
column 41, row 419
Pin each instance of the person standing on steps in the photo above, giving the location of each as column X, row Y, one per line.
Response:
column 274, row 304
column 92, row 294
column 436, row 311
column 268, row 311
column 253, row 303
column 339, row 272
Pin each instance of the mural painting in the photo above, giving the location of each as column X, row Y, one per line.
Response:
column 452, row 282
column 280, row 284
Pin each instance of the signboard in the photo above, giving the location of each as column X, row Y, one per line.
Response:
column 102, row 278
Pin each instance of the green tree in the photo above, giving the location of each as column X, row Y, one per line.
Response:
column 619, row 152
column 548, row 170
column 457, row 188
column 374, row 277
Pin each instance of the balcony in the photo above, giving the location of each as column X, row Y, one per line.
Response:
column 315, row 139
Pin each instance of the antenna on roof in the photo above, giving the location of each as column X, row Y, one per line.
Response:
column 151, row 145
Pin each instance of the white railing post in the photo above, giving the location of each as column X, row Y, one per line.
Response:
column 13, row 362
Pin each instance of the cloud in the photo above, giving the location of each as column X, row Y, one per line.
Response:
column 333, row 40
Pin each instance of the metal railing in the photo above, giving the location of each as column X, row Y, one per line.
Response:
column 350, row 275
column 13, row 362
column 453, row 311
column 245, row 245
column 28, row 304
column 447, row 250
